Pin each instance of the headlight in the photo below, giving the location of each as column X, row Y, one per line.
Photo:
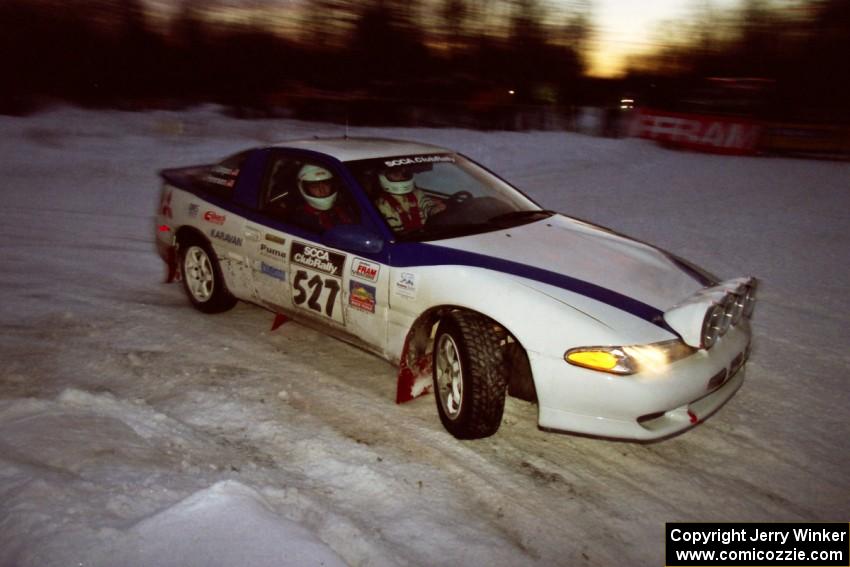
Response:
column 606, row 359
column 725, row 320
column 728, row 312
column 749, row 301
column 629, row 359
column 711, row 325
column 736, row 310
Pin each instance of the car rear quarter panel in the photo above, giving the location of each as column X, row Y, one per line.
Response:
column 186, row 210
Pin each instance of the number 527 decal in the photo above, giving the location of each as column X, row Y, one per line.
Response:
column 318, row 293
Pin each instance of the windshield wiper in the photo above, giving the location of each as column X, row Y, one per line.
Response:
column 505, row 220
column 519, row 216
column 426, row 233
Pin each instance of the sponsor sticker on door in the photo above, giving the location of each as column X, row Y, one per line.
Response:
column 318, row 259
column 361, row 296
column 365, row 269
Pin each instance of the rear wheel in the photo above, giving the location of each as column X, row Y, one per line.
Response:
column 202, row 279
column 470, row 377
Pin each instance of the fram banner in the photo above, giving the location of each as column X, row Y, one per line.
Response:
column 717, row 134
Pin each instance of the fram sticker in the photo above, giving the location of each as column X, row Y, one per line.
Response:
column 365, row 269
column 405, row 286
column 361, row 296
column 275, row 239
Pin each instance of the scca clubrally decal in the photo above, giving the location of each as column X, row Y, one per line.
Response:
column 318, row 259
column 414, row 160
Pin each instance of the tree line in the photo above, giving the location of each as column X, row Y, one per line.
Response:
column 381, row 60
column 796, row 51
column 106, row 52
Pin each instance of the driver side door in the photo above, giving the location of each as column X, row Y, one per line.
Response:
column 297, row 271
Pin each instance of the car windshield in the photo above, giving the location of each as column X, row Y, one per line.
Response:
column 434, row 196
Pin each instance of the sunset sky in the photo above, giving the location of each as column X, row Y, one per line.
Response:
column 622, row 27
column 628, row 27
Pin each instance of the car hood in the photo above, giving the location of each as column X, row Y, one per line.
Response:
column 586, row 259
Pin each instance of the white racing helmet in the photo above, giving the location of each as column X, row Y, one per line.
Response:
column 399, row 182
column 310, row 174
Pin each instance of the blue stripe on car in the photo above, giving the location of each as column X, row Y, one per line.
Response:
column 421, row 254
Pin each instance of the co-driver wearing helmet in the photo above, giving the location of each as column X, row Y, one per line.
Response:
column 317, row 186
column 403, row 205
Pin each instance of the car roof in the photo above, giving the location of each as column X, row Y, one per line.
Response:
column 352, row 149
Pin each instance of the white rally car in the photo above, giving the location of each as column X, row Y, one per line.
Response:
column 467, row 285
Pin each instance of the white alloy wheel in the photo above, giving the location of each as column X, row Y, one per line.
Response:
column 470, row 375
column 449, row 376
column 198, row 271
column 202, row 277
column 469, row 372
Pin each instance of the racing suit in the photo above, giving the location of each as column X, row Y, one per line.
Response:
column 408, row 211
column 327, row 219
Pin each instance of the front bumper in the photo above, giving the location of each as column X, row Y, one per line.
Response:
column 644, row 406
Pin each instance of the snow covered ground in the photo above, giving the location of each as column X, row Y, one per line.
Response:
column 137, row 431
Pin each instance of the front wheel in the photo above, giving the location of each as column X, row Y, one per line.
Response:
column 470, row 377
column 202, row 278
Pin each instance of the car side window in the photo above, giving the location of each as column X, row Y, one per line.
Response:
column 280, row 186
column 305, row 193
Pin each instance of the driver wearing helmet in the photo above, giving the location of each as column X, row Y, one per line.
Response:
column 318, row 187
column 403, row 205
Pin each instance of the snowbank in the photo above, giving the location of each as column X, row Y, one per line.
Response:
column 136, row 431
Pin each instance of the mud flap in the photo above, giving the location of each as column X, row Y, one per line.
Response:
column 173, row 273
column 414, row 378
column 279, row 319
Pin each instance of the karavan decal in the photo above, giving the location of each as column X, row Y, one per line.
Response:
column 229, row 238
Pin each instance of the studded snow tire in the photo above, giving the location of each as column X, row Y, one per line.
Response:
column 470, row 375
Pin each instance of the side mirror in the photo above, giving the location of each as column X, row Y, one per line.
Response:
column 353, row 238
